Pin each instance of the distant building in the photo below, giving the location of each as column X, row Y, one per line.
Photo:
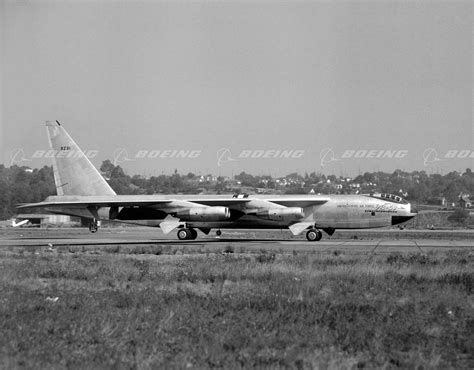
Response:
column 464, row 201
column 438, row 201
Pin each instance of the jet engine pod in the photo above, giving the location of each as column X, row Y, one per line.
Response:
column 204, row 214
column 282, row 214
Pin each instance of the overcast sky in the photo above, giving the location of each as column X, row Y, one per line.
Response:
column 317, row 79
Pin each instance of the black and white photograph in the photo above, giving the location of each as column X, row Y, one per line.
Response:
column 236, row 184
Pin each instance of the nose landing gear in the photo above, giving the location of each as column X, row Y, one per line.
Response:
column 314, row 235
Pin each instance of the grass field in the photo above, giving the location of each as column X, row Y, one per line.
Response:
column 147, row 308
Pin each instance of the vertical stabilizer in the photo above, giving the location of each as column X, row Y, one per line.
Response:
column 74, row 174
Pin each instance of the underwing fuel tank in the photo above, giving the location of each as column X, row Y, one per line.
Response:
column 282, row 214
column 204, row 214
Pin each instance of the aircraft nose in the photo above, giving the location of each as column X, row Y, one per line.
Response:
column 400, row 219
column 408, row 214
column 413, row 209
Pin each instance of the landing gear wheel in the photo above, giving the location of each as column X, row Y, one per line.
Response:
column 193, row 234
column 187, row 234
column 183, row 234
column 93, row 227
column 218, row 233
column 314, row 235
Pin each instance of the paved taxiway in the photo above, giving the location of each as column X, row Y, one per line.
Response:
column 247, row 239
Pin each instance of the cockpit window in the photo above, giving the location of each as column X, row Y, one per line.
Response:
column 244, row 195
column 390, row 197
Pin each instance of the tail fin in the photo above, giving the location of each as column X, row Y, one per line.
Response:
column 74, row 174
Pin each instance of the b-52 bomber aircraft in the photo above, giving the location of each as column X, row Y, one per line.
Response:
column 83, row 192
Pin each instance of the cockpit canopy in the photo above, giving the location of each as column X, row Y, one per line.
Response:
column 389, row 197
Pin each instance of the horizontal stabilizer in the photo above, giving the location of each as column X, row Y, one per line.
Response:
column 299, row 227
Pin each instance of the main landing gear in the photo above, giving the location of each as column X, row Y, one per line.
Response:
column 94, row 226
column 187, row 234
column 314, row 235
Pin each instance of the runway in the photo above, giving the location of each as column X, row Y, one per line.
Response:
column 248, row 240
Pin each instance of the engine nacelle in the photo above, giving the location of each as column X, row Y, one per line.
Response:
column 282, row 214
column 204, row 214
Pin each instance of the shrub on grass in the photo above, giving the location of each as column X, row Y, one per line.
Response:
column 143, row 269
column 265, row 258
column 229, row 249
column 464, row 279
column 113, row 249
column 411, row 259
column 157, row 250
